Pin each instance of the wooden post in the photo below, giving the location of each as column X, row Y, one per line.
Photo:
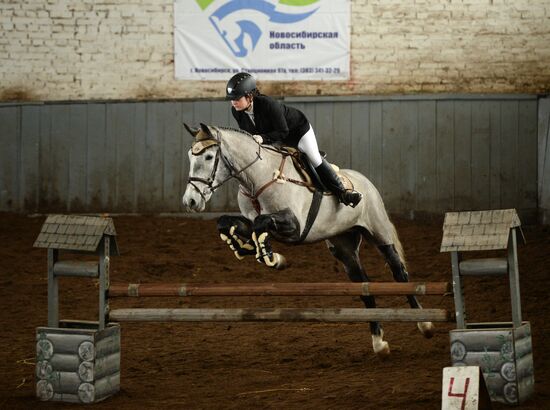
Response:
column 53, row 289
column 103, row 280
column 460, row 312
column 514, row 278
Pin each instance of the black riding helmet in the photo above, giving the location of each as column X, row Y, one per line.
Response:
column 239, row 85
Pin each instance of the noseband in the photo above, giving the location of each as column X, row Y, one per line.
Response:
column 198, row 149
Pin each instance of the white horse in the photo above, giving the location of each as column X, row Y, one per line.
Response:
column 274, row 205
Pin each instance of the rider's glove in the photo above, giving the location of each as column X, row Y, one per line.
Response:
column 258, row 139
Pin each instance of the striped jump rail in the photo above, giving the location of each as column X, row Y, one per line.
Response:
column 279, row 289
column 280, row 315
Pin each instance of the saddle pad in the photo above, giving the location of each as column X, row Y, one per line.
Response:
column 304, row 174
column 345, row 180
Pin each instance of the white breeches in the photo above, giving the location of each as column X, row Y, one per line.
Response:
column 308, row 145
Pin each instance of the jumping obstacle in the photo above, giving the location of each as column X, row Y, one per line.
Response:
column 283, row 314
column 88, row 370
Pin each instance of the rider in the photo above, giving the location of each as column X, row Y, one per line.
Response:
column 271, row 121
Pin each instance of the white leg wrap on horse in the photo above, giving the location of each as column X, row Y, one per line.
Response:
column 263, row 252
column 380, row 346
column 243, row 245
column 239, row 257
column 277, row 261
column 426, row 328
column 280, row 261
column 255, row 239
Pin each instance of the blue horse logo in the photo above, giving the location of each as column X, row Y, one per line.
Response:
column 232, row 21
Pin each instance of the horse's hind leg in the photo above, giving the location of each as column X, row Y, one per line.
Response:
column 400, row 274
column 345, row 248
column 236, row 231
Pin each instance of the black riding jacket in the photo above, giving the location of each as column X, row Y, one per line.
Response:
column 274, row 121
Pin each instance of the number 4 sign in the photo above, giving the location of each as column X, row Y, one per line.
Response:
column 464, row 389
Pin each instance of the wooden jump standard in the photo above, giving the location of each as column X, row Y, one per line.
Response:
column 279, row 289
column 279, row 314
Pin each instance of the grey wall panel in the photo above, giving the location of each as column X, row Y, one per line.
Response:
column 527, row 152
column 408, row 163
column 445, row 159
column 45, row 158
column 360, row 137
column 9, row 151
column 376, row 144
column 151, row 185
column 390, row 186
column 481, row 155
column 494, row 183
column 426, row 181
column 508, row 154
column 173, row 154
column 124, row 134
column 96, row 193
column 141, row 159
column 78, row 166
column 341, row 134
column 60, row 146
column 462, row 155
column 29, row 163
column 423, row 154
column 544, row 160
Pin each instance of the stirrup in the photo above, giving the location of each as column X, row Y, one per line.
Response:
column 351, row 201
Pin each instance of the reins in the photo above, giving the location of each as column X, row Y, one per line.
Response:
column 200, row 146
column 234, row 174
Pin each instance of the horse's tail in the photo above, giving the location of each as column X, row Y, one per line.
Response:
column 398, row 246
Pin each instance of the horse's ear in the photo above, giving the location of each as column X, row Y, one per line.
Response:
column 206, row 130
column 191, row 130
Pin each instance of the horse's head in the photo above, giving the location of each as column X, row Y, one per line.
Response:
column 206, row 168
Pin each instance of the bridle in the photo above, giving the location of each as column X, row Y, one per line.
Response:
column 209, row 182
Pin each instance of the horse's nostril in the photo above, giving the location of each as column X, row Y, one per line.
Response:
column 192, row 203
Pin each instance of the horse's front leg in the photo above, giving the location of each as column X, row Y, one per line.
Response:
column 236, row 231
column 282, row 225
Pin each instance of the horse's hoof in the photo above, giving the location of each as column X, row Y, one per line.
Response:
column 426, row 328
column 280, row 261
column 381, row 347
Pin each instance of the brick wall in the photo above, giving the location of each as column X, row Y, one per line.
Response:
column 123, row 49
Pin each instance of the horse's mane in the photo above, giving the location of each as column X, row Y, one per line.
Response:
column 236, row 130
column 279, row 150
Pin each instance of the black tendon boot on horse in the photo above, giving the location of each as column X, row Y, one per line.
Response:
column 332, row 182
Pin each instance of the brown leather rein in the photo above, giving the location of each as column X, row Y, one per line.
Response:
column 280, row 177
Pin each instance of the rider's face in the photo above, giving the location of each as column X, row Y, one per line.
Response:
column 241, row 104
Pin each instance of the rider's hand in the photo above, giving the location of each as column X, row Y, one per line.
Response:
column 258, row 139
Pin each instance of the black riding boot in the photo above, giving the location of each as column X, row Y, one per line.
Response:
column 333, row 183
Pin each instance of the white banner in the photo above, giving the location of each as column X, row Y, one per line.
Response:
column 271, row 39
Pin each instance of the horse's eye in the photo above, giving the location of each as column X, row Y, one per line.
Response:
column 209, row 157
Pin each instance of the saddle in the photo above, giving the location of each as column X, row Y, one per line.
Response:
column 309, row 175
